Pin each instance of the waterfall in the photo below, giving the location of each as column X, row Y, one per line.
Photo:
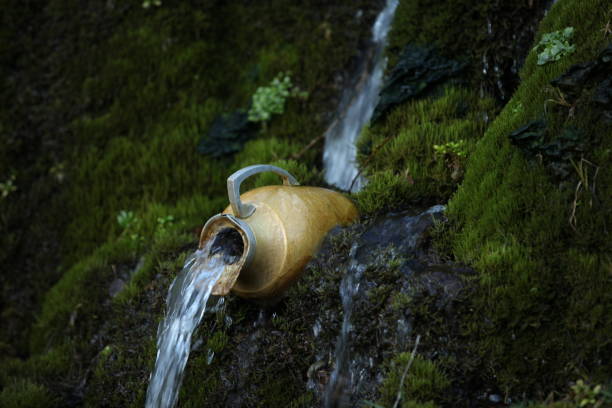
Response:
column 340, row 152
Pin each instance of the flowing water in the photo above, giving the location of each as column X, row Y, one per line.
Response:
column 341, row 379
column 340, row 152
column 186, row 303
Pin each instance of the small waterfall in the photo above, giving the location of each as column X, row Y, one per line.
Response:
column 341, row 381
column 186, row 301
column 340, row 152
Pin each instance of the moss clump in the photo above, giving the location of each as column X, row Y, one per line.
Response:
column 402, row 155
column 24, row 394
column 513, row 222
column 423, row 383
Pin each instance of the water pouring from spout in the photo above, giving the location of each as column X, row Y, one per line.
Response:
column 187, row 298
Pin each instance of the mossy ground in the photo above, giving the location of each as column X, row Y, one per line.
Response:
column 124, row 94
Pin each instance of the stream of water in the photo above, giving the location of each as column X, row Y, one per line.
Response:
column 186, row 304
column 341, row 379
column 340, row 152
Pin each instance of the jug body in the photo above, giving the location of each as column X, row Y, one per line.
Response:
column 281, row 228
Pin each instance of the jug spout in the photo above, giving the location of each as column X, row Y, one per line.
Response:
column 278, row 228
column 232, row 239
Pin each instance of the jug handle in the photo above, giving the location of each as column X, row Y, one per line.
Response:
column 244, row 210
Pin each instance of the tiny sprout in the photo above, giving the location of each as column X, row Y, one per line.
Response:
column 7, row 187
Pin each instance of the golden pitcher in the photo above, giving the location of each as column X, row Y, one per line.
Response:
column 281, row 228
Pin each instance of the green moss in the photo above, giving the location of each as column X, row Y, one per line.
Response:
column 511, row 220
column 424, row 23
column 399, row 158
column 423, row 382
column 25, row 394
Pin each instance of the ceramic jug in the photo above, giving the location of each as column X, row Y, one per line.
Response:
column 279, row 228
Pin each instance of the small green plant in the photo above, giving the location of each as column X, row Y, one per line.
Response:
column 7, row 187
column 586, row 395
column 269, row 100
column 130, row 224
column 518, row 108
column 555, row 45
column 148, row 3
column 163, row 224
column 58, row 171
column 457, row 148
column 453, row 154
column 126, row 219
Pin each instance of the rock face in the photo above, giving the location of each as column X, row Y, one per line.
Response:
column 398, row 267
column 417, row 74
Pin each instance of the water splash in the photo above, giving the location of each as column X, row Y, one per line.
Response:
column 340, row 152
column 341, row 380
column 186, row 301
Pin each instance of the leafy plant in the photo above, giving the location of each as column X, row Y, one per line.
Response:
column 453, row 154
column 586, row 395
column 126, row 219
column 269, row 100
column 163, row 224
column 555, row 45
column 518, row 108
column 130, row 224
column 7, row 187
column 457, row 148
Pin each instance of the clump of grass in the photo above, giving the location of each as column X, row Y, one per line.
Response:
column 423, row 383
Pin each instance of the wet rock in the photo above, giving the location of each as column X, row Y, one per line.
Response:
column 398, row 282
column 115, row 287
column 418, row 73
column 227, row 134
column 441, row 282
column 403, row 231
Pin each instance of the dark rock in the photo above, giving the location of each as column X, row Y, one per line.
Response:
column 572, row 81
column 228, row 134
column 603, row 94
column 418, row 73
column 402, row 230
column 530, row 136
column 441, row 282
column 557, row 154
column 584, row 77
column 116, row 286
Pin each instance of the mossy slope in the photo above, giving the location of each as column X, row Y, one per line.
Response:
column 542, row 283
